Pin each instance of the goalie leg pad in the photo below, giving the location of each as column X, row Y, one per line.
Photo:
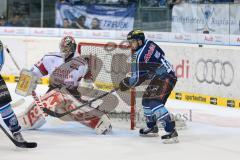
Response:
column 86, row 115
column 32, row 118
column 104, row 125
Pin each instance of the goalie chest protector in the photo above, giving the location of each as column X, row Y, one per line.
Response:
column 69, row 74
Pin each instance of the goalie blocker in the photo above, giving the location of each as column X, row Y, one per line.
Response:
column 59, row 100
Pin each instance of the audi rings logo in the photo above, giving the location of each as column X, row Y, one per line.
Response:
column 214, row 71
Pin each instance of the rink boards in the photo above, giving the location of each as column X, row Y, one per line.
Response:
column 184, row 96
column 206, row 74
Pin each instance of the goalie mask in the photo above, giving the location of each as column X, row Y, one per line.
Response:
column 68, row 47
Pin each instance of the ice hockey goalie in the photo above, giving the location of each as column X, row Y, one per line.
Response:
column 66, row 70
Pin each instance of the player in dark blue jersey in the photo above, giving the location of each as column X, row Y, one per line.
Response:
column 6, row 111
column 149, row 64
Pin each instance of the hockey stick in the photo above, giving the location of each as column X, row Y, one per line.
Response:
column 11, row 56
column 19, row 144
column 58, row 115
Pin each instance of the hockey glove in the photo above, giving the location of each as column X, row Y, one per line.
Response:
column 124, row 84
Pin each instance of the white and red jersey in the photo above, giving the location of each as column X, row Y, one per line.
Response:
column 67, row 74
column 62, row 73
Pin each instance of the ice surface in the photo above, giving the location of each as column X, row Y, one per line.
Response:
column 213, row 134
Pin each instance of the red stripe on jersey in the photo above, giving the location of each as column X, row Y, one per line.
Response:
column 42, row 69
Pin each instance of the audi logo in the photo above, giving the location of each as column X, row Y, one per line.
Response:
column 214, row 71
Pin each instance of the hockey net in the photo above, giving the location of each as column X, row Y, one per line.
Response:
column 110, row 63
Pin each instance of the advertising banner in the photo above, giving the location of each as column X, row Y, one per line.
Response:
column 206, row 18
column 206, row 70
column 96, row 16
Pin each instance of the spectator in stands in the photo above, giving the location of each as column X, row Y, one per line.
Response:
column 111, row 1
column 127, row 2
column 16, row 21
column 120, row 2
column 150, row 3
column 3, row 21
column 95, row 23
column 155, row 3
column 80, row 23
column 171, row 3
column 162, row 2
column 66, row 23
column 209, row 1
column 64, row 1
column 223, row 1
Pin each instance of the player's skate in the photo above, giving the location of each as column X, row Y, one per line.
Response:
column 18, row 137
column 149, row 132
column 171, row 137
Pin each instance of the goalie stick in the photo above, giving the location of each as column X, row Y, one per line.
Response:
column 11, row 56
column 58, row 115
column 19, row 144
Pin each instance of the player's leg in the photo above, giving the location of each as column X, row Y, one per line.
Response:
column 154, row 100
column 7, row 113
column 169, row 124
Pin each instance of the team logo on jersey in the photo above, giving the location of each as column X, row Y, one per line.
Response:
column 149, row 53
column 74, row 66
column 157, row 54
column 13, row 121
